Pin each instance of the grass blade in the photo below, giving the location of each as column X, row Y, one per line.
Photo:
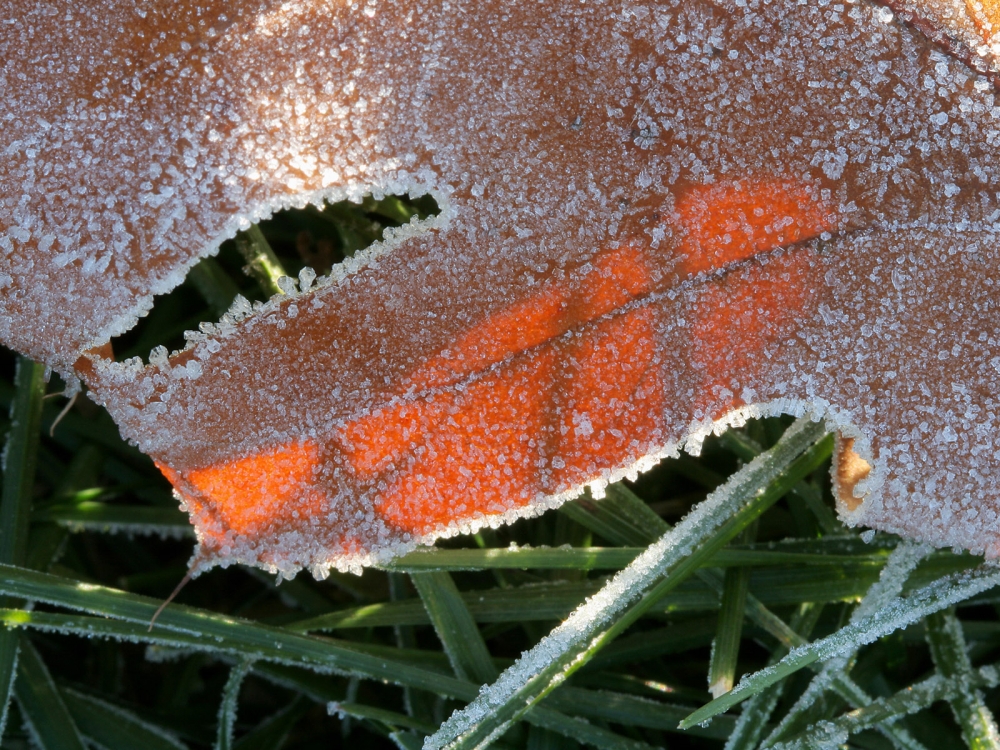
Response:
column 726, row 647
column 455, row 627
column 677, row 555
column 392, row 720
column 49, row 721
column 272, row 733
column 262, row 264
column 903, row 612
column 19, row 460
column 220, row 632
column 230, row 703
column 834, row 674
column 907, row 701
column 947, row 644
column 115, row 728
column 191, row 628
column 752, row 722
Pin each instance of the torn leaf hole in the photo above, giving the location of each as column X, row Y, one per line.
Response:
column 251, row 265
column 850, row 470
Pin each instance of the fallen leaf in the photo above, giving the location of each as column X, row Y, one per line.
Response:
column 658, row 220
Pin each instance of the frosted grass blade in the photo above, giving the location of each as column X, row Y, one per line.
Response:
column 19, row 461
column 726, row 646
column 835, row 673
column 206, row 631
column 624, row 518
column 273, row 731
column 661, row 567
column 903, row 612
column 113, row 727
column 606, row 558
column 948, row 649
column 142, row 520
column 42, row 708
column 261, row 261
column 455, row 627
column 757, row 712
column 220, row 632
column 230, row 703
column 628, row 710
column 910, row 700
column 390, row 719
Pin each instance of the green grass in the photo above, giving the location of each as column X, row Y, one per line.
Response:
column 91, row 542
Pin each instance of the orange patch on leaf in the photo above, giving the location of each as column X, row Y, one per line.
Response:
column 618, row 277
column 521, row 326
column 614, row 397
column 739, row 315
column 476, row 453
column 732, row 221
column 267, row 490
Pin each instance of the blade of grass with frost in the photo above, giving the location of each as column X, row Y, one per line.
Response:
column 262, row 264
column 455, row 627
column 748, row 449
column 114, row 728
column 46, row 716
column 729, row 633
column 834, row 674
column 603, row 558
column 222, row 635
column 903, row 612
column 607, row 705
column 230, row 704
column 273, row 731
column 788, row 585
column 143, row 520
column 910, row 700
column 625, row 518
column 752, row 721
column 226, row 633
column 390, row 719
column 407, row 740
column 948, row 650
column 418, row 703
column 629, row 710
column 578, row 729
column 661, row 567
column 19, row 460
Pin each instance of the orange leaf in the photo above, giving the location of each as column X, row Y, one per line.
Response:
column 655, row 222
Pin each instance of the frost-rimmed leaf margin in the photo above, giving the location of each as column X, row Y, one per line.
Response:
column 714, row 522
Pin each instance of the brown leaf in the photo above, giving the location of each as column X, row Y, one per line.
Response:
column 657, row 221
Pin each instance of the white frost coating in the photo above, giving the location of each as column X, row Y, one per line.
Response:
column 655, row 216
column 9, row 690
column 898, row 567
column 900, row 564
column 900, row 613
column 587, row 621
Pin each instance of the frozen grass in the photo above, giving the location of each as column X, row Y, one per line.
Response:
column 91, row 542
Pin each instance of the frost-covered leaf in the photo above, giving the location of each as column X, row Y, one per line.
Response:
column 658, row 217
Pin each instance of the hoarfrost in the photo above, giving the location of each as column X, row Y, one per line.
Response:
column 655, row 222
